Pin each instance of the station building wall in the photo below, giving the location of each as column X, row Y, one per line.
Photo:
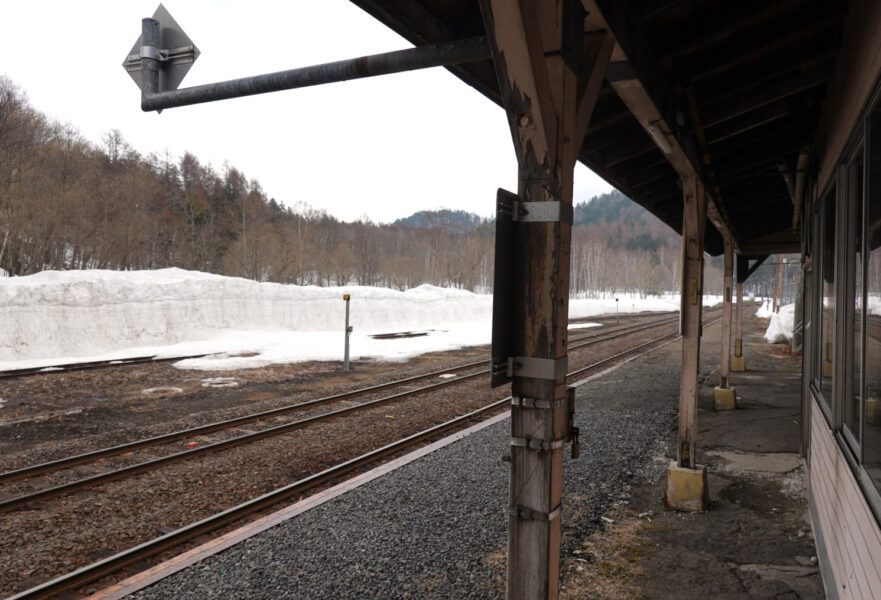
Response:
column 842, row 358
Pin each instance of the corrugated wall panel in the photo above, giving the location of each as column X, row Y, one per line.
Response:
column 850, row 532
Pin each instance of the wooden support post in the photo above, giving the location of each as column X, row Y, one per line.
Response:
column 738, row 363
column 728, row 276
column 549, row 72
column 724, row 396
column 686, row 487
column 738, row 332
column 694, row 220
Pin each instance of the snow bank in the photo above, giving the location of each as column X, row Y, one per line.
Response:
column 766, row 310
column 56, row 317
column 67, row 314
column 780, row 328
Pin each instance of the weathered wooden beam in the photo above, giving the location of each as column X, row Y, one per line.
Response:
column 748, row 122
column 744, row 269
column 737, row 17
column 712, row 66
column 747, row 101
column 786, row 241
column 524, row 82
column 693, row 223
column 727, row 276
column 549, row 74
column 635, row 149
column 651, row 99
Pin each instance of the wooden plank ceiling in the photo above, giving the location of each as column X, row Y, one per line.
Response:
column 739, row 84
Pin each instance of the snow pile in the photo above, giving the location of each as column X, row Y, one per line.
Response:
column 58, row 317
column 780, row 328
column 113, row 314
column 766, row 310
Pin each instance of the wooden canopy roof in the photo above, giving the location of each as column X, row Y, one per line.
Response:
column 738, row 85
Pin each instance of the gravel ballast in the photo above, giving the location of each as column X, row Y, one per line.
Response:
column 437, row 527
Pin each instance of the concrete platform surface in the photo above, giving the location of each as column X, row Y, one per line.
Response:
column 436, row 527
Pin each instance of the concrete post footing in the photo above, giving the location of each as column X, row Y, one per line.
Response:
column 738, row 363
column 687, row 489
column 724, row 398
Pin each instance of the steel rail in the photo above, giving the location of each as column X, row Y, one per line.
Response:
column 87, row 457
column 633, row 329
column 618, row 329
column 84, row 366
column 142, row 467
column 102, row 568
column 111, row 564
column 631, row 350
column 79, row 484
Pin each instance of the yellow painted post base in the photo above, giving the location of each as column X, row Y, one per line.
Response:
column 687, row 489
column 828, row 367
column 724, row 399
column 871, row 410
column 738, row 363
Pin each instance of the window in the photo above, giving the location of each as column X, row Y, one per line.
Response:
column 826, row 329
column 872, row 305
column 852, row 397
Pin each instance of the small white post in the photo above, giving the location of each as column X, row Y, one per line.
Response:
column 347, row 297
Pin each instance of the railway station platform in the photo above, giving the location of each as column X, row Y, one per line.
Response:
column 436, row 526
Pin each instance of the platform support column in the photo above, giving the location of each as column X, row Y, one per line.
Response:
column 693, row 226
column 549, row 72
column 738, row 363
column 686, row 480
column 724, row 397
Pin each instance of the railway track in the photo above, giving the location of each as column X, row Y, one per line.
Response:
column 179, row 536
column 153, row 358
column 97, row 455
column 86, row 366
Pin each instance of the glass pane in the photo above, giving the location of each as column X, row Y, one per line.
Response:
column 855, row 203
column 827, row 320
column 872, row 441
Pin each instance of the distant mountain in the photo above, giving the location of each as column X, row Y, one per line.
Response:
column 612, row 216
column 623, row 223
column 612, row 207
column 451, row 220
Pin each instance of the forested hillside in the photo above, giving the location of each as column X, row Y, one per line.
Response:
column 66, row 203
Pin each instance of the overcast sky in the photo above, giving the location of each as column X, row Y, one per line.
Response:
column 383, row 147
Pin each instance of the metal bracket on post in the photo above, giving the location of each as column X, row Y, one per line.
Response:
column 523, row 402
column 527, row 514
column 543, row 212
column 172, row 49
column 574, row 432
column 537, row 368
column 538, row 444
column 172, row 56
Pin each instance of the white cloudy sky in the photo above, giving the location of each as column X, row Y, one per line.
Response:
column 383, row 147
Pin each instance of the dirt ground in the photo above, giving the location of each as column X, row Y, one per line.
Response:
column 755, row 541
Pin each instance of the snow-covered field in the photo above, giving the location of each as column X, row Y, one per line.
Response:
column 57, row 317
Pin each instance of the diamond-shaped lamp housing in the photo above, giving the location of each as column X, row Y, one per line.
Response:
column 180, row 50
